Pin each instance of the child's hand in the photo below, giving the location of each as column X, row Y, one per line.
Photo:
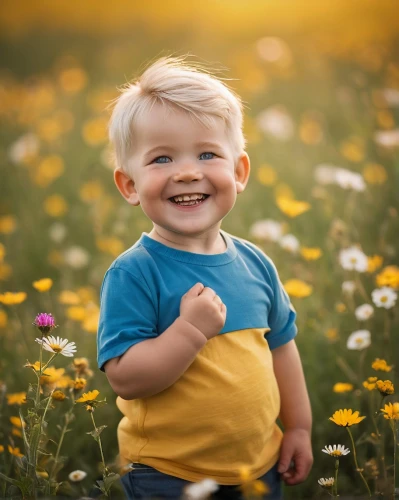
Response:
column 205, row 310
column 296, row 456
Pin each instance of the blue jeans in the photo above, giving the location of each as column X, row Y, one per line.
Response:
column 146, row 483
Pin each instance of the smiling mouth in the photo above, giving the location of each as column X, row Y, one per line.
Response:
column 187, row 200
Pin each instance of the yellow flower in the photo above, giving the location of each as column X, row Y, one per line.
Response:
column 16, row 432
column 12, row 298
column 68, row 298
column 5, row 271
column 15, row 451
column 381, row 364
column 297, row 288
column 389, row 276
column 310, row 131
column 3, row 319
column 332, row 334
column 342, row 387
column 374, row 173
column 385, row 387
column 17, row 398
column 1, row 448
column 8, row 224
column 49, row 169
column 340, row 307
column 76, row 313
column 370, row 383
column 95, row 131
column 2, row 252
column 292, row 208
column 91, row 191
column 51, row 375
column 353, row 149
column 79, row 384
column 251, row 488
column 55, row 206
column 43, row 285
column 90, row 323
column 345, row 418
column 87, row 397
column 266, row 175
column 311, row 253
column 73, row 80
column 16, row 421
column 58, row 396
column 374, row 263
column 391, row 411
column 111, row 245
column 81, row 366
column 49, row 129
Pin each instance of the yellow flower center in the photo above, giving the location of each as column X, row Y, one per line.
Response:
column 336, row 453
column 56, row 347
column 384, row 298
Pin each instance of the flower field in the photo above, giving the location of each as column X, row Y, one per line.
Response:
column 322, row 128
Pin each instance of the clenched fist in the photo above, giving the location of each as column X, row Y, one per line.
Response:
column 205, row 310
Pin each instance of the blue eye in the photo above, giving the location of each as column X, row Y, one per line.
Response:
column 161, row 159
column 208, row 156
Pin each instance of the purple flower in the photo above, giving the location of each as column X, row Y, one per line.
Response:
column 45, row 322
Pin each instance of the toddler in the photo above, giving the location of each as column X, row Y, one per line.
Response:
column 196, row 332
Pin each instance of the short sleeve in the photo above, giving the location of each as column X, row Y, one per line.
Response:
column 282, row 314
column 127, row 314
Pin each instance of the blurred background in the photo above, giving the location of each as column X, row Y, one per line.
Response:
column 320, row 84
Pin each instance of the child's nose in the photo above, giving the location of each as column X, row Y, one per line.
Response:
column 188, row 173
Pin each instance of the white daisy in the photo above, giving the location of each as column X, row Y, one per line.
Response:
column 349, row 180
column 364, row 312
column 387, row 138
column 337, row 450
column 358, row 340
column 76, row 257
column 58, row 345
column 77, row 475
column 384, row 297
column 24, row 148
column 277, row 122
column 326, row 482
column 348, row 287
column 57, row 232
column 267, row 230
column 391, row 96
column 290, row 243
column 353, row 259
column 201, row 490
column 325, row 174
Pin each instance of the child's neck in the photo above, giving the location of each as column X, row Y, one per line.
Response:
column 212, row 243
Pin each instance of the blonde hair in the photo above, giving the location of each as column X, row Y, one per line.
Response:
column 173, row 82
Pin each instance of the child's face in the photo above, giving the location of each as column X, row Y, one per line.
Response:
column 175, row 156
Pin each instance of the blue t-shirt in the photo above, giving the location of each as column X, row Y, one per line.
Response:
column 220, row 415
column 142, row 290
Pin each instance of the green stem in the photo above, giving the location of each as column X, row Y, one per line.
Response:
column 361, row 288
column 395, row 445
column 336, row 477
column 37, row 401
column 63, row 432
column 356, row 464
column 49, row 361
column 99, row 442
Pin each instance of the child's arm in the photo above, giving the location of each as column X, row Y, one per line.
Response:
column 155, row 364
column 295, row 414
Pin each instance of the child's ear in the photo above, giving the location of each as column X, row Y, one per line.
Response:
column 242, row 170
column 126, row 187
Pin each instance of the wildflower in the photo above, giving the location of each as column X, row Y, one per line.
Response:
column 69, row 298
column 58, row 396
column 277, row 122
column 346, row 418
column 374, row 263
column 311, row 253
column 17, row 422
column 326, row 482
column 57, row 232
column 389, row 276
column 43, row 285
column 17, row 398
column 51, row 376
column 89, row 399
column 76, row 257
column 94, row 131
column 353, row 259
column 370, row 383
column 349, row 180
column 91, row 191
column 364, row 312
column 8, row 224
column 55, row 206
column 337, row 450
column 24, row 149
column 381, row 364
column 375, row 173
column 340, row 307
column 77, row 475
column 12, row 298
column 15, row 451
column 332, row 334
column 358, row 340
column 79, row 384
column 76, row 313
column 348, row 287
column 16, row 432
column 266, row 175
column 384, row 297
column 81, row 366
column 387, row 138
column 292, row 208
column 298, row 288
column 340, row 387
column 1, row 448
column 385, row 387
column 266, row 230
column 45, row 322
column 57, row 345
column 290, row 243
column 391, row 411
column 201, row 490
column 3, row 319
